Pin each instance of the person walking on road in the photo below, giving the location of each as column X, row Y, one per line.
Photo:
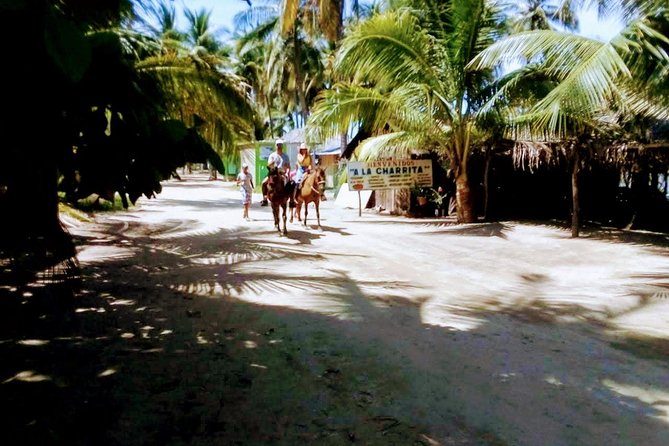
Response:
column 245, row 180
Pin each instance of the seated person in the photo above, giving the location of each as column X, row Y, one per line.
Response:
column 303, row 163
column 278, row 160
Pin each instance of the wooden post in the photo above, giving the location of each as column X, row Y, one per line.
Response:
column 359, row 205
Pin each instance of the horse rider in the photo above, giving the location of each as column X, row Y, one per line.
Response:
column 277, row 160
column 303, row 166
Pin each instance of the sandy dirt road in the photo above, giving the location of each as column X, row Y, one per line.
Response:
column 197, row 327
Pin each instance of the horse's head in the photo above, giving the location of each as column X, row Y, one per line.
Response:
column 319, row 176
column 276, row 184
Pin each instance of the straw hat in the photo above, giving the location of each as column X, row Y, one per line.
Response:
column 304, row 146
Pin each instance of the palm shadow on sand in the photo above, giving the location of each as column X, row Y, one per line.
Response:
column 166, row 345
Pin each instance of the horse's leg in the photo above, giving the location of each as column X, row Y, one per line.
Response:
column 292, row 203
column 275, row 213
column 318, row 212
column 306, row 212
column 285, row 231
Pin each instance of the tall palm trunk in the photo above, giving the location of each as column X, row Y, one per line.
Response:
column 575, row 213
column 269, row 115
column 464, row 198
column 486, row 181
column 299, row 79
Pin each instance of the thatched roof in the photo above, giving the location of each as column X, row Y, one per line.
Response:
column 625, row 154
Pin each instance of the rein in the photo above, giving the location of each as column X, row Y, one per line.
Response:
column 318, row 183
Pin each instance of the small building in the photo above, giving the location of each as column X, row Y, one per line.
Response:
column 328, row 155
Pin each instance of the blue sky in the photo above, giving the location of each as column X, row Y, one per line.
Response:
column 223, row 12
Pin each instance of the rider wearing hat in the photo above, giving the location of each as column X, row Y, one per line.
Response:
column 276, row 160
column 304, row 162
column 303, row 166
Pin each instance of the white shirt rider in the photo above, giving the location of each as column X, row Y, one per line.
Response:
column 279, row 161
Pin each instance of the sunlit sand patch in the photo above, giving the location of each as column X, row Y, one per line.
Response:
column 650, row 396
column 443, row 315
column 203, row 289
column 258, row 366
column 650, row 319
column 91, row 309
column 108, row 372
column 507, row 376
column 153, row 350
column 97, row 253
column 123, row 302
column 316, row 304
column 33, row 342
column 29, row 376
column 554, row 381
column 231, row 258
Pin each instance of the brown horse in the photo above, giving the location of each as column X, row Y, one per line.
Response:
column 278, row 194
column 313, row 185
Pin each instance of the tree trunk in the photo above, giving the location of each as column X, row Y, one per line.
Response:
column 31, row 233
column 486, row 182
column 269, row 115
column 465, row 203
column 575, row 213
column 299, row 79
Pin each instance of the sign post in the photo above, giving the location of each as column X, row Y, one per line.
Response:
column 389, row 174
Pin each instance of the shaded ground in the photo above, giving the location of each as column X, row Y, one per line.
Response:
column 196, row 327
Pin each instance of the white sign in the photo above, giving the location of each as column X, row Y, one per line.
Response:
column 389, row 174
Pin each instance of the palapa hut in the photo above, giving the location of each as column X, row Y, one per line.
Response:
column 617, row 183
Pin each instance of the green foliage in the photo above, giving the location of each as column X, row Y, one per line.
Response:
column 596, row 85
column 108, row 120
column 422, row 191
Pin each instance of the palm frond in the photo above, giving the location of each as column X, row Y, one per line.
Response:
column 405, row 107
column 217, row 97
column 289, row 10
column 396, row 145
column 387, row 50
column 330, row 18
column 255, row 17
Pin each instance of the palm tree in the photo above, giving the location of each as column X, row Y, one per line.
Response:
column 408, row 80
column 165, row 32
column 200, row 35
column 61, row 40
column 320, row 18
column 105, row 106
column 293, row 63
column 202, row 85
column 530, row 15
column 327, row 16
column 598, row 84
